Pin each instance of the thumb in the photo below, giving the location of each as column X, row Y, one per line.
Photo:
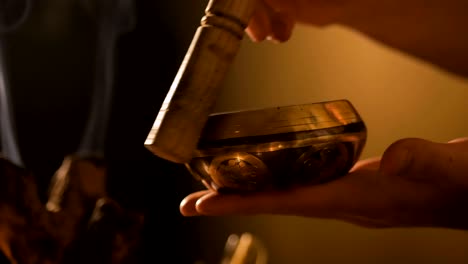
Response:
column 423, row 160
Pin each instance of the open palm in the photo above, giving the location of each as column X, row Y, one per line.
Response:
column 415, row 183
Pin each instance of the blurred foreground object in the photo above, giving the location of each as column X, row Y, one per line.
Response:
column 244, row 249
column 30, row 234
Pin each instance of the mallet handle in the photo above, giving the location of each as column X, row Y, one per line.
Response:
column 192, row 96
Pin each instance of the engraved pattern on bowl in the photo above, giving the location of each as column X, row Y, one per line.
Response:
column 275, row 148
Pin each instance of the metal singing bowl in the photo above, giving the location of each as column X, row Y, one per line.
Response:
column 275, row 148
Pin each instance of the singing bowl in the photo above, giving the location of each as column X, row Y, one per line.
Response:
column 275, row 148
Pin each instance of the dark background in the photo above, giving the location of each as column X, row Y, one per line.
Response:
column 50, row 63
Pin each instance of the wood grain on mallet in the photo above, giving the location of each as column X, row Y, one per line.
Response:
column 192, row 96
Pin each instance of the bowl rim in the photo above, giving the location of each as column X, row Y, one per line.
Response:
column 281, row 127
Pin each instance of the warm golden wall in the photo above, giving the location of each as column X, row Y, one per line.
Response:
column 396, row 95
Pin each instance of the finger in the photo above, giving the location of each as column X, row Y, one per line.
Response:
column 353, row 219
column 245, row 204
column 423, row 160
column 259, row 25
column 433, row 180
column 282, row 19
column 187, row 205
column 282, row 25
column 327, row 200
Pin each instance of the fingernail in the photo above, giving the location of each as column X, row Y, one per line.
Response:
column 280, row 28
column 257, row 37
column 273, row 40
column 188, row 208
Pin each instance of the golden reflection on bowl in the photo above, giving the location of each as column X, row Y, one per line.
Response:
column 274, row 148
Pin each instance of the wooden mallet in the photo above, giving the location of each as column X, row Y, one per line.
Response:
column 192, row 96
